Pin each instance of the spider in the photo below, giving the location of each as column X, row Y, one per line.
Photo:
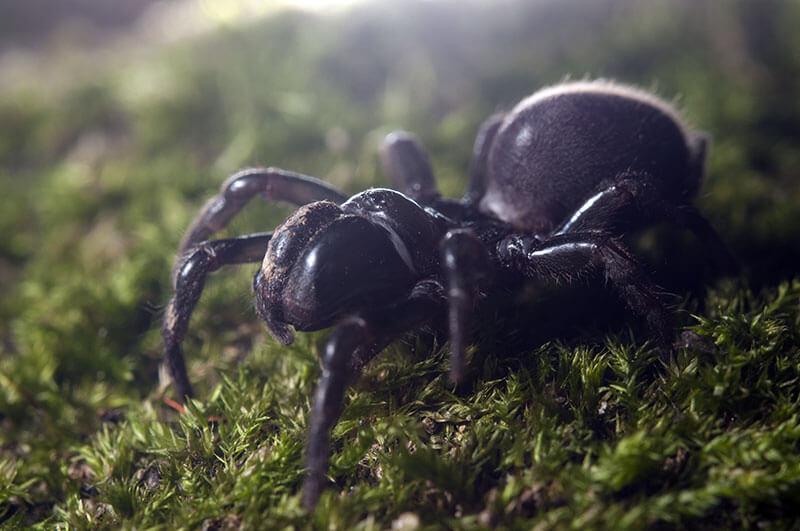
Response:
column 554, row 185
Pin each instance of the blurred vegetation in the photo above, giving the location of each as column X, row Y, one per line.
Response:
column 99, row 181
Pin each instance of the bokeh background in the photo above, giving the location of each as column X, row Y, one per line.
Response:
column 117, row 120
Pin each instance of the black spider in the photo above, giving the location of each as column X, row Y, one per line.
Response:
column 553, row 184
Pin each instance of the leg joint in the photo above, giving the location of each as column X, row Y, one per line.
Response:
column 348, row 336
column 244, row 184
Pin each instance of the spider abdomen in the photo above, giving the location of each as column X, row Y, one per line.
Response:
column 557, row 147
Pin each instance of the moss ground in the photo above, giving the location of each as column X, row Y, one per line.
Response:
column 99, row 180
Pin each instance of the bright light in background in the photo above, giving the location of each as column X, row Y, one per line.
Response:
column 174, row 21
column 163, row 23
column 228, row 11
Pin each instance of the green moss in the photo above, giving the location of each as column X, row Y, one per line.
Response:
column 98, row 183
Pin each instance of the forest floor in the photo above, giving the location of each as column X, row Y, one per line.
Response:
column 99, row 177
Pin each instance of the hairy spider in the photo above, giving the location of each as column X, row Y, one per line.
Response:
column 554, row 184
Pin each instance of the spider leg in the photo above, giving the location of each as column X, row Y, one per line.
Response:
column 698, row 148
column 353, row 343
column 688, row 217
column 189, row 281
column 466, row 263
column 617, row 208
column 272, row 183
column 480, row 158
column 406, row 163
column 614, row 208
column 339, row 368
column 567, row 257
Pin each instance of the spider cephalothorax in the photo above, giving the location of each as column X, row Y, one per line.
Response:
column 554, row 184
column 326, row 260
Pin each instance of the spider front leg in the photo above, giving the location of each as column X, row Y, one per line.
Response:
column 340, row 366
column 466, row 264
column 567, row 257
column 272, row 183
column 407, row 165
column 353, row 343
column 190, row 278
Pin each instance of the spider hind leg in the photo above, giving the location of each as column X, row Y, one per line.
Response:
column 568, row 257
column 635, row 199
